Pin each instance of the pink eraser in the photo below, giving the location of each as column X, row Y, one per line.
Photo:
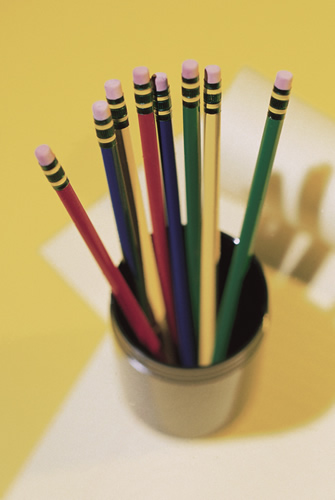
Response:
column 213, row 73
column 44, row 155
column 190, row 69
column 113, row 89
column 283, row 80
column 141, row 75
column 161, row 82
column 101, row 110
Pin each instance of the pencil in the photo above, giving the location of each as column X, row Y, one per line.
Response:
column 107, row 141
column 121, row 123
column 122, row 293
column 147, row 126
column 212, row 108
column 243, row 251
column 153, row 287
column 192, row 159
column 162, row 105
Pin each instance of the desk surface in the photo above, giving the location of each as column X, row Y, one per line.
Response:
column 64, row 429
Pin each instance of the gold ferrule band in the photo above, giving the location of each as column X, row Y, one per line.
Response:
column 144, row 106
column 59, row 183
column 104, row 127
column 191, row 99
column 277, row 111
column 53, row 170
column 117, row 106
column 143, row 92
column 212, row 91
column 213, row 106
column 119, row 120
column 190, row 86
column 164, row 113
column 106, row 141
column 280, row 97
column 162, row 98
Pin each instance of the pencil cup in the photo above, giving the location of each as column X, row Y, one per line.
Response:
column 194, row 402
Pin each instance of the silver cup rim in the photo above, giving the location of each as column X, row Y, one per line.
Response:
column 145, row 364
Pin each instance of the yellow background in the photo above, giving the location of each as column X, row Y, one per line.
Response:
column 55, row 58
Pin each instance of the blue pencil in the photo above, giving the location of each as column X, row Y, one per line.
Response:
column 107, row 141
column 186, row 336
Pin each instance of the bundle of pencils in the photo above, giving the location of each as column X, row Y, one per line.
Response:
column 173, row 271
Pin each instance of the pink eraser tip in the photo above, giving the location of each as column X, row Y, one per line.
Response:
column 284, row 80
column 141, row 75
column 213, row 73
column 101, row 110
column 44, row 155
column 190, row 69
column 113, row 89
column 161, row 82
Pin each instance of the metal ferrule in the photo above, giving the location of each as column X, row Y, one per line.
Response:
column 212, row 97
column 162, row 105
column 143, row 98
column 55, row 175
column 119, row 112
column 104, row 130
column 190, row 92
column 278, row 103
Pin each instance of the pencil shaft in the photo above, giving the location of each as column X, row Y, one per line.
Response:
column 107, row 141
column 116, row 183
column 147, row 126
column 209, row 240
column 151, row 276
column 157, row 210
column 212, row 108
column 126, row 181
column 192, row 158
column 186, row 339
column 242, row 252
column 121, row 291
column 117, row 105
column 118, row 208
column 82, row 222
column 123, row 295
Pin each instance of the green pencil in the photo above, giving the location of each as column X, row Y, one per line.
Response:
column 243, row 251
column 192, row 155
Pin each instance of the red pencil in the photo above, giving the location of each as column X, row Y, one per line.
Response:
column 146, row 120
column 121, row 291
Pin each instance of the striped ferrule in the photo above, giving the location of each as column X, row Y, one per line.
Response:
column 162, row 104
column 55, row 175
column 190, row 91
column 212, row 97
column 119, row 112
column 278, row 103
column 104, row 130
column 143, row 98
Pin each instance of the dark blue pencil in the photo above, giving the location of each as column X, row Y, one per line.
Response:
column 106, row 137
column 186, row 337
column 107, row 141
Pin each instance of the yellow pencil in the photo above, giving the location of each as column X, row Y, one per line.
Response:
column 209, row 231
column 118, row 108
